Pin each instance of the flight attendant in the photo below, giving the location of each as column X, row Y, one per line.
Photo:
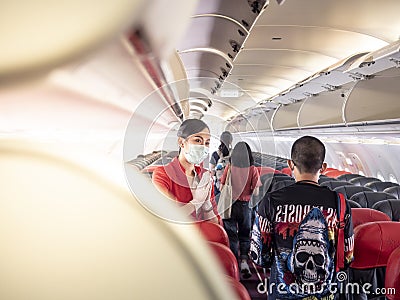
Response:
column 184, row 179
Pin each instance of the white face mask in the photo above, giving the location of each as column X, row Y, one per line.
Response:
column 196, row 153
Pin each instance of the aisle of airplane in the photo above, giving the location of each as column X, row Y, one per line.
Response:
column 92, row 94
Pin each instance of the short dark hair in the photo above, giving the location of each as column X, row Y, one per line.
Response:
column 190, row 127
column 308, row 154
column 242, row 156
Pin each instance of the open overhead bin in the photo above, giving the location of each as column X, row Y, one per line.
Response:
column 374, row 99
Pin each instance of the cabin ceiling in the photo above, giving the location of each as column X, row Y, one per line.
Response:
column 263, row 54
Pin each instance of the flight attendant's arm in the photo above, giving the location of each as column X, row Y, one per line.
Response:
column 163, row 183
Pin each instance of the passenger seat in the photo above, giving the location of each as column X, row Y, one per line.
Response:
column 354, row 204
column 213, row 232
column 379, row 186
column 390, row 207
column 394, row 190
column 366, row 215
column 240, row 289
column 281, row 184
column 373, row 244
column 362, row 181
column 350, row 190
column 347, row 177
column 227, row 259
column 392, row 278
column 332, row 184
column 368, row 199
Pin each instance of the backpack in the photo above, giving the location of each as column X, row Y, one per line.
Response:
column 219, row 169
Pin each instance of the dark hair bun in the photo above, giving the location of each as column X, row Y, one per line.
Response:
column 190, row 127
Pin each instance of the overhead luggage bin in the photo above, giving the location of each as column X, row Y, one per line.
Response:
column 378, row 98
column 231, row 20
column 40, row 35
column 244, row 12
column 285, row 116
column 328, row 79
column 198, row 37
column 377, row 61
column 323, row 109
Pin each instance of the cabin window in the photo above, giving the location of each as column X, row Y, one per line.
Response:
column 380, row 176
column 393, row 178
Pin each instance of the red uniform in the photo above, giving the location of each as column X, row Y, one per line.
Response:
column 171, row 179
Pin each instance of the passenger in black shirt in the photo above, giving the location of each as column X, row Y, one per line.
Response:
column 296, row 228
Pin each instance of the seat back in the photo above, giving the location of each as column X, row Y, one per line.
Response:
column 347, row 177
column 379, row 186
column 323, row 178
column 332, row 184
column 227, row 259
column 213, row 232
column 350, row 190
column 392, row 278
column 239, row 288
column 390, row 207
column 267, row 176
column 394, row 190
column 373, row 243
column 286, row 171
column 335, row 173
column 366, row 215
column 361, row 181
column 266, row 170
column 280, row 165
column 354, row 204
column 269, row 183
column 281, row 184
column 368, row 199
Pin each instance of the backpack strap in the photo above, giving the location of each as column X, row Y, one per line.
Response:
column 340, row 242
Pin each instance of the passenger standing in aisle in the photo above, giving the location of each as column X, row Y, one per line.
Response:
column 245, row 181
column 296, row 230
column 184, row 179
column 219, row 159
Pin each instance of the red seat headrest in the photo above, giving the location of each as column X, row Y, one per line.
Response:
column 213, row 232
column 227, row 259
column 266, row 170
column 334, row 172
column 392, row 276
column 374, row 242
column 365, row 215
column 287, row 171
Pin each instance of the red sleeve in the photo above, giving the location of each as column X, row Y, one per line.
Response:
column 162, row 181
